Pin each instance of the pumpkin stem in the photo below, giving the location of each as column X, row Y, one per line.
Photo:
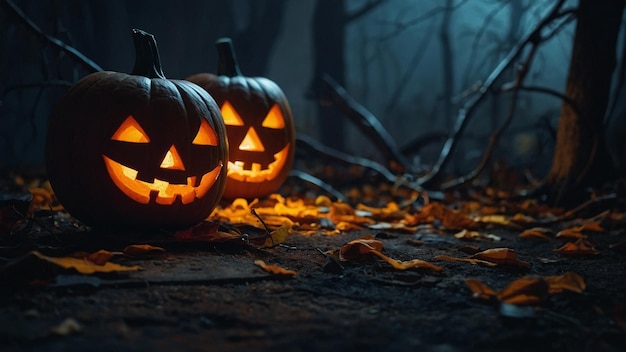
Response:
column 147, row 61
column 227, row 64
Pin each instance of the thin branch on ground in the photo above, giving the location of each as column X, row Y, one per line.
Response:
column 306, row 177
column 311, row 146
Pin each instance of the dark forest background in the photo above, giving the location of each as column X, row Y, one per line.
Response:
column 411, row 63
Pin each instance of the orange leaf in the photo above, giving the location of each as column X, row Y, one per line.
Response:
column 580, row 247
column 480, row 290
column 84, row 266
column 360, row 247
column 274, row 269
column 134, row 250
column 410, row 264
column 100, row 257
column 573, row 233
column 468, row 260
column 567, row 282
column 526, row 290
column 536, row 232
column 502, row 256
column 364, row 246
column 593, row 226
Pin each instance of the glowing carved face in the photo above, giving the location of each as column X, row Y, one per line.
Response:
column 162, row 191
column 258, row 151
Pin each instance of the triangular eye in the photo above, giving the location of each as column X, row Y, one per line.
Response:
column 231, row 117
column 206, row 135
column 130, row 131
column 274, row 118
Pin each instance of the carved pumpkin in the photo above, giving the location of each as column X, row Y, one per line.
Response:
column 137, row 149
column 259, row 125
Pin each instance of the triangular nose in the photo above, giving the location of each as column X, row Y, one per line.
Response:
column 252, row 142
column 172, row 160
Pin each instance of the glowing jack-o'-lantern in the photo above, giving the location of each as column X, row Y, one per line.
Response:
column 259, row 125
column 137, row 149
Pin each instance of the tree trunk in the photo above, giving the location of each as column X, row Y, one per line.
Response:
column 329, row 22
column 581, row 158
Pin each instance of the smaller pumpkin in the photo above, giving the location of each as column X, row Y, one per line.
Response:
column 137, row 149
column 259, row 125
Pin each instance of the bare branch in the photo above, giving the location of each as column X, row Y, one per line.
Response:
column 467, row 109
column 363, row 10
column 82, row 59
column 366, row 122
column 309, row 145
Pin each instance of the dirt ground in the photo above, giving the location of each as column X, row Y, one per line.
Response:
column 199, row 297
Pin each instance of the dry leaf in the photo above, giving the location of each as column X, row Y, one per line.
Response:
column 277, row 236
column 358, row 248
column 409, row 264
column 526, row 290
column 567, row 282
column 529, row 290
column 573, row 233
column 365, row 246
column 449, row 218
column 536, row 233
column 580, row 247
column 593, row 226
column 480, row 290
column 467, row 260
column 134, row 250
column 501, row 256
column 84, row 266
column 274, row 269
column 100, row 257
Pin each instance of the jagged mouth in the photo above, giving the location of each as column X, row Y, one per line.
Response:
column 159, row 191
column 237, row 172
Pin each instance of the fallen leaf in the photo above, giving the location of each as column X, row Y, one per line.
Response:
column 100, row 257
column 84, row 266
column 536, row 233
column 580, row 247
column 526, row 290
column 365, row 246
column 409, row 264
column 569, row 281
column 480, row 290
column 358, row 248
column 274, row 269
column 277, row 236
column 134, row 250
column 449, row 218
column 573, row 233
column 593, row 226
column 501, row 256
column 467, row 260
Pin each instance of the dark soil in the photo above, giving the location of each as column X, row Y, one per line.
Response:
column 213, row 298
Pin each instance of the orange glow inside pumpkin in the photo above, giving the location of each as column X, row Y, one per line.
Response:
column 125, row 178
column 255, row 174
column 251, row 142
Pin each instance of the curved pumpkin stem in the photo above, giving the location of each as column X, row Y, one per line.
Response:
column 147, row 60
column 227, row 64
